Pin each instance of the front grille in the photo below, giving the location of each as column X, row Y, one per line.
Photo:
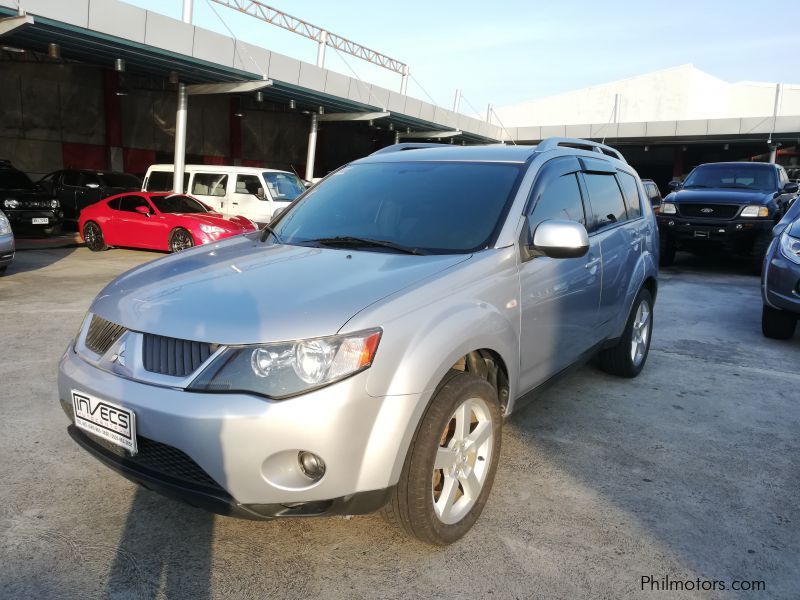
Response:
column 160, row 458
column 171, row 356
column 102, row 334
column 709, row 211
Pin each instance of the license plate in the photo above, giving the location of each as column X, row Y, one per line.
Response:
column 40, row 221
column 701, row 234
column 106, row 420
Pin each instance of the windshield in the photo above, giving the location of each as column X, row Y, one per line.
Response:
column 178, row 204
column 15, row 180
column 121, row 180
column 435, row 207
column 744, row 176
column 284, row 187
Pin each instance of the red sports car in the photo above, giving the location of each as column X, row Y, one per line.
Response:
column 156, row 221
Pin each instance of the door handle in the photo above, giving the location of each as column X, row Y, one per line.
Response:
column 235, row 203
column 591, row 263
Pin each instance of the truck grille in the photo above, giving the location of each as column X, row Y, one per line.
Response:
column 709, row 211
column 171, row 356
column 102, row 334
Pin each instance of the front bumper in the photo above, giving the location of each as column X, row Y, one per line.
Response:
column 21, row 217
column 248, row 446
column 724, row 231
column 780, row 282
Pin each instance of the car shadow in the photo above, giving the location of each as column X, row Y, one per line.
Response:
column 32, row 260
column 719, row 262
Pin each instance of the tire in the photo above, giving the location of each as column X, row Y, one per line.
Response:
column 758, row 252
column 93, row 237
column 411, row 506
column 777, row 324
column 180, row 239
column 624, row 359
column 666, row 251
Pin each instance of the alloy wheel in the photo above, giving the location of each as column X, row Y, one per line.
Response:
column 640, row 333
column 181, row 240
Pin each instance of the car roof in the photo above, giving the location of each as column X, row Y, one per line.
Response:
column 447, row 152
column 734, row 163
column 212, row 168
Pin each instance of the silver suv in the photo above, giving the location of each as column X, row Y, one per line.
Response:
column 362, row 352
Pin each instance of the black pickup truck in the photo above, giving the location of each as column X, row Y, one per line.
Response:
column 729, row 205
column 27, row 205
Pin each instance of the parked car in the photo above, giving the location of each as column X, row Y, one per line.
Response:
column 6, row 243
column 248, row 191
column 26, row 205
column 76, row 189
column 731, row 205
column 362, row 351
column 653, row 194
column 780, row 278
column 161, row 221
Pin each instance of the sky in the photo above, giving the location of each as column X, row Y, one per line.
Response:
column 507, row 52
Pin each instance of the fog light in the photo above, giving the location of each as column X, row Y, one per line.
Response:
column 671, row 223
column 312, row 465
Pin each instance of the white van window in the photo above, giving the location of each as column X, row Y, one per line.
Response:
column 248, row 184
column 284, row 186
column 209, row 184
column 161, row 181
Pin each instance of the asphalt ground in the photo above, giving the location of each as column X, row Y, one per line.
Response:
column 690, row 471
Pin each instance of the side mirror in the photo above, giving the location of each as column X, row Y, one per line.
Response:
column 561, row 239
column 674, row 185
column 260, row 193
column 144, row 210
column 92, row 186
column 791, row 188
column 277, row 212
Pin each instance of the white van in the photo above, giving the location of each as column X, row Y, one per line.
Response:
column 249, row 191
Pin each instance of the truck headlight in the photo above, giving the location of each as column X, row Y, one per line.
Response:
column 11, row 203
column 5, row 226
column 668, row 208
column 286, row 369
column 754, row 210
column 790, row 247
column 54, row 204
column 211, row 229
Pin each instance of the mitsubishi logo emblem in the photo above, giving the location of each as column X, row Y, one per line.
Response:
column 706, row 210
column 119, row 357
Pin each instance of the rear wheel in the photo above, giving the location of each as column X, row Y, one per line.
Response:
column 180, row 239
column 627, row 358
column 777, row 324
column 451, row 463
column 93, row 236
column 666, row 251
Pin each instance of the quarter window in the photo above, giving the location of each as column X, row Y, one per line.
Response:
column 560, row 199
column 630, row 191
column 129, row 203
column 607, row 203
column 209, row 184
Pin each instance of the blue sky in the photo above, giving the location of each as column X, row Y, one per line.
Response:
column 513, row 51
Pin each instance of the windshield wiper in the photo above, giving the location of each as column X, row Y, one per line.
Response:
column 268, row 229
column 357, row 242
column 695, row 185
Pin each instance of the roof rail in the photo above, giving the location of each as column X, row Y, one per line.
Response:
column 554, row 142
column 408, row 146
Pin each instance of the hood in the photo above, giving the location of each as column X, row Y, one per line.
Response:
column 242, row 291
column 231, row 223
column 722, row 196
column 26, row 194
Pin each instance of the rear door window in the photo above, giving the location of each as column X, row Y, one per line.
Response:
column 71, row 178
column 209, row 184
column 630, row 191
column 161, row 181
column 608, row 207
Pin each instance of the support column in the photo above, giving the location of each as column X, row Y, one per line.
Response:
column 112, row 108
column 404, row 81
column 235, row 134
column 180, row 140
column 489, row 110
column 773, row 154
column 323, row 42
column 396, row 137
column 312, row 147
column 187, row 11
column 457, row 101
column 677, row 162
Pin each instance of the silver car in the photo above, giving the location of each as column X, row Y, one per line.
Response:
column 363, row 351
column 6, row 243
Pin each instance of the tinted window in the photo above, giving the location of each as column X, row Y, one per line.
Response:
column 114, row 203
column 123, row 180
column 743, row 175
column 284, row 186
column 438, row 207
column 71, row 177
column 87, row 178
column 14, row 180
column 607, row 204
column 161, row 181
column 247, row 184
column 560, row 199
column 630, row 191
column 177, row 204
column 129, row 203
column 209, row 184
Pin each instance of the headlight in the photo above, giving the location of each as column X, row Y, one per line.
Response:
column 5, row 226
column 11, row 203
column 754, row 210
column 54, row 204
column 790, row 247
column 289, row 368
column 211, row 229
column 668, row 208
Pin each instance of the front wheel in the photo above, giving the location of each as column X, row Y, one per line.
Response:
column 180, row 240
column 777, row 324
column 628, row 356
column 93, row 236
column 451, row 463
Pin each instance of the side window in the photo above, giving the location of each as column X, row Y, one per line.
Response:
column 606, row 199
column 560, row 199
column 630, row 191
column 114, row 204
column 783, row 179
column 209, row 184
column 161, row 181
column 70, row 178
column 129, row 203
column 87, row 178
column 248, row 184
